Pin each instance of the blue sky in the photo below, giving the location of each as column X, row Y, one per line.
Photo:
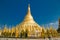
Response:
column 44, row 12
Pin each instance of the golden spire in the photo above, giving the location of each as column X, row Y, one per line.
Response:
column 28, row 17
column 29, row 12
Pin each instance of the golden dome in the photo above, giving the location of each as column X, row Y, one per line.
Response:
column 29, row 24
column 28, row 17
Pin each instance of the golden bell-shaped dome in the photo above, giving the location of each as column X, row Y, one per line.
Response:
column 28, row 17
column 29, row 24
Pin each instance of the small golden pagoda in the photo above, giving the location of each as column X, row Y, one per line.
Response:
column 5, row 29
column 0, row 32
column 34, row 30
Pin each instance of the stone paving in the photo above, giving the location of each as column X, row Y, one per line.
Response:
column 28, row 39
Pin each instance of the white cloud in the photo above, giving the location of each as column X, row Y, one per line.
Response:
column 54, row 24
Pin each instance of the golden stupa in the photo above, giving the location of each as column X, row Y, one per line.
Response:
column 30, row 25
column 27, row 28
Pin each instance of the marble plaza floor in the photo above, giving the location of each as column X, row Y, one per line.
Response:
column 29, row 39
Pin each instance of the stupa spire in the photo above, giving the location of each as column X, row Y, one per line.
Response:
column 29, row 12
column 28, row 16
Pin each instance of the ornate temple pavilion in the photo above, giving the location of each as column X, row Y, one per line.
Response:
column 30, row 25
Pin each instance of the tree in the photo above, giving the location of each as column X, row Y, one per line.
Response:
column 58, row 30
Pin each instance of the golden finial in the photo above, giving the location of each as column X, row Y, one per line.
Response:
column 29, row 9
